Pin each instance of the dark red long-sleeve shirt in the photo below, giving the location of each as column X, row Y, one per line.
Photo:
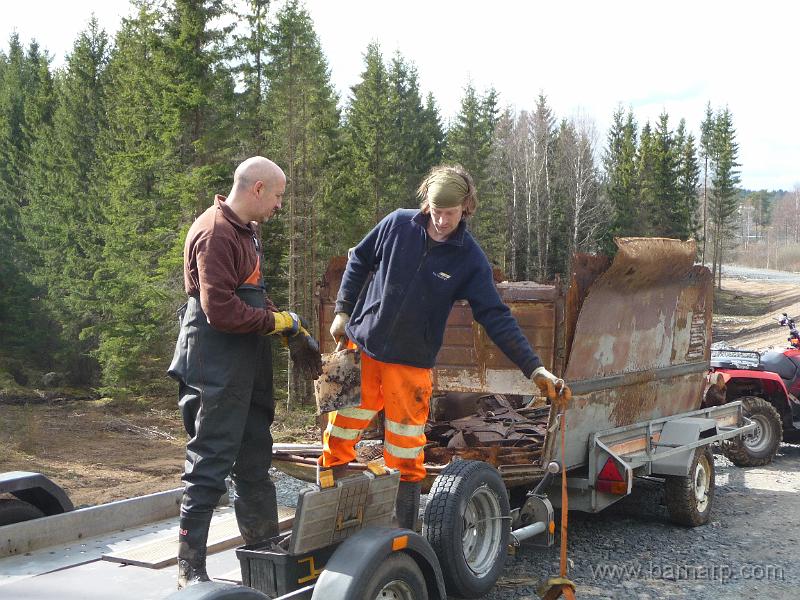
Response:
column 219, row 256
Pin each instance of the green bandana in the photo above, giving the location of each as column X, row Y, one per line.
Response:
column 446, row 190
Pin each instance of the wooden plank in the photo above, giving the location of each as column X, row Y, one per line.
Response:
column 455, row 356
column 163, row 552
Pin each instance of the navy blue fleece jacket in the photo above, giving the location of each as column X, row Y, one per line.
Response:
column 401, row 316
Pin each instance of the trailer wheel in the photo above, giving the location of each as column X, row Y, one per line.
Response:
column 16, row 511
column 759, row 447
column 689, row 499
column 214, row 590
column 468, row 525
column 397, row 578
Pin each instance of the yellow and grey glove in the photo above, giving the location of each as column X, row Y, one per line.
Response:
column 550, row 385
column 339, row 323
column 286, row 323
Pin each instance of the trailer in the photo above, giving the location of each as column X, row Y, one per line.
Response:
column 630, row 336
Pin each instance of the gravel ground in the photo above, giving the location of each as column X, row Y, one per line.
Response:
column 632, row 550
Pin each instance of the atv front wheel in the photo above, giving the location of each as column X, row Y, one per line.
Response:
column 758, row 447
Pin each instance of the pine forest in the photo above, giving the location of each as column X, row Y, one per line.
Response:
column 106, row 160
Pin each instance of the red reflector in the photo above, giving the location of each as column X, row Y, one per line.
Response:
column 610, row 471
column 610, row 480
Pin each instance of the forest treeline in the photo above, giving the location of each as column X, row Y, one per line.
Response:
column 106, row 161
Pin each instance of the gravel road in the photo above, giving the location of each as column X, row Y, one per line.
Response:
column 631, row 550
column 760, row 274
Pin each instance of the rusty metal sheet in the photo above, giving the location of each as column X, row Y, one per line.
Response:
column 645, row 328
column 586, row 268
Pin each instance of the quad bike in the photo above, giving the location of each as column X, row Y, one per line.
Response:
column 768, row 384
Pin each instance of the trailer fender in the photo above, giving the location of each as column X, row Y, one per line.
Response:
column 676, row 433
column 347, row 572
column 36, row 489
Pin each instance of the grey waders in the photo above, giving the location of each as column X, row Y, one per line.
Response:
column 227, row 407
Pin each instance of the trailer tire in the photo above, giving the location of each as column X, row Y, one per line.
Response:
column 399, row 576
column 467, row 523
column 16, row 511
column 760, row 447
column 690, row 498
column 214, row 590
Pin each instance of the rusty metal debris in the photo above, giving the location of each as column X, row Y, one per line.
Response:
column 339, row 385
column 497, row 431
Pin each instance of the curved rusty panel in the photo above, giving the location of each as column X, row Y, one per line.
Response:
column 650, row 309
column 648, row 319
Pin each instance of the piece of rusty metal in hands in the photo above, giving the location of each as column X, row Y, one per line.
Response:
column 339, row 386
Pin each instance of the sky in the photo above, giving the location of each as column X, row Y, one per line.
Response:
column 587, row 57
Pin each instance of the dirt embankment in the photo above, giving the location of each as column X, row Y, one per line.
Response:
column 103, row 450
column 745, row 312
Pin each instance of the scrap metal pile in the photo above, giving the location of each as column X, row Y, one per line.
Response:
column 491, row 428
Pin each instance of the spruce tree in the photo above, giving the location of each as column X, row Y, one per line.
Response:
column 368, row 152
column 706, row 141
column 302, row 138
column 469, row 143
column 688, row 179
column 621, row 179
column 251, row 49
column 164, row 156
column 663, row 205
column 62, row 222
column 431, row 135
column 645, row 179
column 723, row 200
column 26, row 107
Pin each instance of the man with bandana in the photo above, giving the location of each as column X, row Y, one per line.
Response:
column 421, row 262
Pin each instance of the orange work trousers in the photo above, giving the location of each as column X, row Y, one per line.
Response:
column 404, row 394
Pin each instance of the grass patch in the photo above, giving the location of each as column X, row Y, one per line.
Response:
column 297, row 425
column 21, row 428
column 737, row 304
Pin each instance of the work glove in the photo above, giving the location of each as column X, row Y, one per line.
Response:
column 303, row 348
column 338, row 325
column 286, row 323
column 550, row 385
column 305, row 354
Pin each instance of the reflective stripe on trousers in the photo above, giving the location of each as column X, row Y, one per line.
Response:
column 404, row 394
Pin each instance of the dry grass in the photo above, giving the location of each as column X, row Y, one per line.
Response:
column 299, row 425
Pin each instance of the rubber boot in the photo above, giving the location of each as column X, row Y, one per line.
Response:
column 192, row 539
column 406, row 507
column 256, row 509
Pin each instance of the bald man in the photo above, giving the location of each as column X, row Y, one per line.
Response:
column 223, row 364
